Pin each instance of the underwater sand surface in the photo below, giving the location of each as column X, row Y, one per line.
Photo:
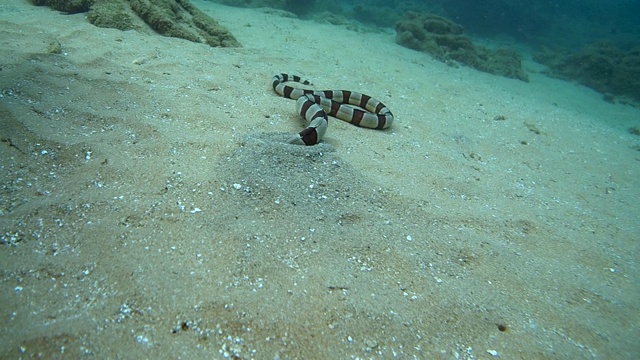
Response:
column 151, row 209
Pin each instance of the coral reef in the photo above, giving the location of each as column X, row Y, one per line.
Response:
column 174, row 18
column 601, row 66
column 445, row 40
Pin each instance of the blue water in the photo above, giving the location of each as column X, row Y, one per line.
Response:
column 569, row 23
column 594, row 42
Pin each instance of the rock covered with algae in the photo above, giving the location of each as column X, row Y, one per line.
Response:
column 602, row 66
column 174, row 18
column 445, row 40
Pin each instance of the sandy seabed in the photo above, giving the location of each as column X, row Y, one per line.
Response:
column 150, row 208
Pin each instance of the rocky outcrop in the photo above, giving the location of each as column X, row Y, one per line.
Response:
column 174, row 18
column 445, row 40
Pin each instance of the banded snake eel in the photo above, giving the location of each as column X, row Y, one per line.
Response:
column 314, row 106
